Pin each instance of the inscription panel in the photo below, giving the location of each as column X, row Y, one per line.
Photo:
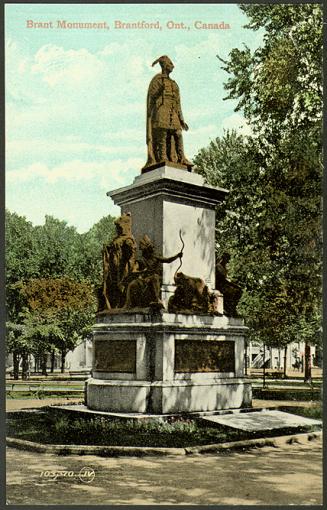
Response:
column 115, row 356
column 204, row 356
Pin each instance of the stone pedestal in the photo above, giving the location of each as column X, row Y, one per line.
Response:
column 163, row 363
column 167, row 363
column 166, row 202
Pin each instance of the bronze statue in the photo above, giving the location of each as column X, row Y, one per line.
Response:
column 230, row 290
column 165, row 122
column 192, row 295
column 145, row 281
column 118, row 263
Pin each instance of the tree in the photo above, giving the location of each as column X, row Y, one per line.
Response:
column 279, row 85
column 42, row 332
column 75, row 325
column 62, row 311
column 51, row 271
column 90, row 260
column 272, row 223
column 21, row 259
column 15, row 344
column 58, row 248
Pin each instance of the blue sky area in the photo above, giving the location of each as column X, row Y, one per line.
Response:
column 75, row 98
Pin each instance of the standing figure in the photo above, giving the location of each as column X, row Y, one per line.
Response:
column 144, row 289
column 118, row 263
column 165, row 120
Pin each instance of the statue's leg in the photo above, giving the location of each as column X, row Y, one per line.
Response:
column 132, row 292
column 171, row 148
column 154, row 290
column 161, row 144
column 231, row 299
column 180, row 148
column 151, row 157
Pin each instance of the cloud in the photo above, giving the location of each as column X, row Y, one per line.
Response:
column 67, row 91
column 120, row 172
column 194, row 139
column 204, row 131
column 206, row 48
column 34, row 148
column 71, row 68
column 108, row 174
column 199, row 112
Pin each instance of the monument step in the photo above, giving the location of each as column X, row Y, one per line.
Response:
column 83, row 410
column 260, row 420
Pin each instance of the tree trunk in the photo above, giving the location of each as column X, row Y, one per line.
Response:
column 44, row 364
column 16, row 365
column 52, row 360
column 246, row 359
column 63, row 358
column 285, row 362
column 24, row 365
column 307, row 363
column 264, row 367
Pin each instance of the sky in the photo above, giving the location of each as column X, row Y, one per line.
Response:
column 76, row 98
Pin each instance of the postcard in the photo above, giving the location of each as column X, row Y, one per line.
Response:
column 163, row 254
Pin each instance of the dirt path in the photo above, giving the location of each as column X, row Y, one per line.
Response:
column 28, row 403
column 290, row 475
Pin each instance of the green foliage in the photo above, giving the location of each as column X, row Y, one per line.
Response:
column 54, row 429
column 271, row 220
column 90, row 260
column 101, row 426
column 53, row 250
column 314, row 412
column 61, row 311
column 52, row 294
column 21, row 244
column 21, row 258
column 279, row 86
column 41, row 331
column 15, row 341
column 57, row 248
column 51, row 271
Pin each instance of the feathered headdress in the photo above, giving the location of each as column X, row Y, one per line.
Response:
column 160, row 60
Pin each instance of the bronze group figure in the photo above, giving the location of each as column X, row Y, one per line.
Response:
column 118, row 263
column 144, row 287
column 165, row 120
column 129, row 283
column 192, row 295
column 230, row 290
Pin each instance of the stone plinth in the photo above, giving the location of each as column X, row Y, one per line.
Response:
column 165, row 202
column 261, row 420
column 167, row 363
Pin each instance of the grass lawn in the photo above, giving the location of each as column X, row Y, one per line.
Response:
column 314, row 412
column 291, row 393
column 52, row 428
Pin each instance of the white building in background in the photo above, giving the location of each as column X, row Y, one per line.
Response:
column 80, row 358
column 273, row 357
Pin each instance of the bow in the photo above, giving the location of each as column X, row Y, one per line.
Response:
column 183, row 244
